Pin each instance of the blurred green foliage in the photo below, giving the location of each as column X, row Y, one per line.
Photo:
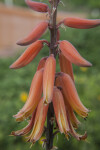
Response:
column 70, row 3
column 14, row 82
column 88, row 3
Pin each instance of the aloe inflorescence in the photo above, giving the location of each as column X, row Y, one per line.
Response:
column 52, row 94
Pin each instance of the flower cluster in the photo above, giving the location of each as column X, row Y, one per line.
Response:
column 48, row 86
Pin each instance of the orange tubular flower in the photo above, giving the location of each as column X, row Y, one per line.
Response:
column 70, row 94
column 75, row 122
column 74, row 133
column 40, row 118
column 48, row 79
column 60, row 111
column 65, row 65
column 37, row 6
column 81, row 23
column 27, row 129
column 72, row 54
column 33, row 98
column 35, row 34
column 28, row 55
column 42, row 63
column 73, row 119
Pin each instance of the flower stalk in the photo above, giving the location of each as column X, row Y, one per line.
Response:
column 53, row 26
column 53, row 48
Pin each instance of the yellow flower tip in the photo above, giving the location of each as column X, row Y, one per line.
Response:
column 84, row 137
column 12, row 134
column 32, row 145
column 83, row 69
column 45, row 101
column 67, row 136
column 75, row 77
column 41, row 141
column 23, row 96
column 24, row 139
column 98, row 97
column 54, row 148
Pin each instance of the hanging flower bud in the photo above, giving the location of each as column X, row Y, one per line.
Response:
column 60, row 111
column 73, row 132
column 75, row 122
column 70, row 94
column 76, row 135
column 27, row 129
column 81, row 23
column 66, row 65
column 42, row 63
column 48, row 79
column 37, row 6
column 40, row 118
column 73, row 119
column 30, row 53
column 35, row 34
column 72, row 54
column 33, row 98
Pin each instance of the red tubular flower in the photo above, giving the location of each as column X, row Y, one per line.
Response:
column 27, row 129
column 30, row 53
column 35, row 34
column 37, row 6
column 72, row 54
column 70, row 94
column 60, row 111
column 65, row 65
column 48, row 79
column 42, row 63
column 81, row 23
column 40, row 118
column 33, row 98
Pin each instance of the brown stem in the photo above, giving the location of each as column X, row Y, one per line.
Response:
column 53, row 26
column 53, row 47
column 49, row 132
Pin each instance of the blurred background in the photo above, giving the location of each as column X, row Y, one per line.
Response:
column 16, row 21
